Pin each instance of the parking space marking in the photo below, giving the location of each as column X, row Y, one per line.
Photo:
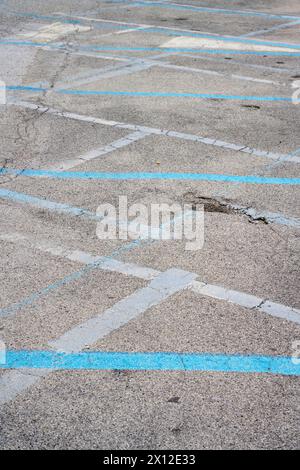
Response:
column 215, row 73
column 241, row 64
column 199, row 287
column 271, row 30
column 22, row 198
column 146, row 176
column 136, row 65
column 223, row 11
column 161, row 288
column 87, row 269
column 118, row 71
column 103, row 263
column 177, row 50
column 215, row 43
column 248, row 301
column 54, row 31
column 151, row 94
column 153, row 361
column 149, row 28
column 100, row 152
column 46, row 204
column 96, row 263
column 173, row 134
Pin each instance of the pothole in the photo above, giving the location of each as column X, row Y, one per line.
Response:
column 227, row 207
column 210, row 205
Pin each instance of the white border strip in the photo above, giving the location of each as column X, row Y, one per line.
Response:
column 151, row 130
column 217, row 292
column 100, row 152
column 14, row 382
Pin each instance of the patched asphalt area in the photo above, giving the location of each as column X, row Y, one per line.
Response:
column 145, row 344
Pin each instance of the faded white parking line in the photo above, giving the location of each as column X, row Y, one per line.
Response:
column 270, row 30
column 155, row 131
column 219, row 74
column 159, row 289
column 104, row 263
column 96, row 153
column 54, row 31
column 12, row 383
column 210, row 43
column 127, row 69
column 217, row 292
column 274, row 309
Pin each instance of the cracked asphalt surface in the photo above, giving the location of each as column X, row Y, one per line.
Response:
column 98, row 88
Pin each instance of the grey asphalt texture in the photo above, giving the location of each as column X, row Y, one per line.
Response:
column 139, row 409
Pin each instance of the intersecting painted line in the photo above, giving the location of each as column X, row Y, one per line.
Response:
column 215, row 73
column 46, row 204
column 166, row 284
column 93, row 265
column 156, row 233
column 242, row 64
column 151, row 94
column 6, row 194
column 146, row 176
column 204, row 289
column 155, row 131
column 270, row 30
column 78, row 256
column 157, row 361
column 125, row 69
column 214, row 10
column 177, row 50
column 148, row 28
column 145, row 64
column 100, row 152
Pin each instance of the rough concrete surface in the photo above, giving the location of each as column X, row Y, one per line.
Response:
column 189, row 103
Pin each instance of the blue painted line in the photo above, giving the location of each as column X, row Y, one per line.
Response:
column 68, row 20
column 191, row 49
column 175, row 50
column 79, row 175
column 151, row 94
column 296, row 152
column 161, row 30
column 46, row 204
column 222, row 11
column 159, row 361
column 35, row 296
column 239, row 40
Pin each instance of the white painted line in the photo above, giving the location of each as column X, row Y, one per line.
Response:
column 33, row 201
column 88, row 333
column 12, row 382
column 96, row 153
column 105, row 263
column 214, row 73
column 281, row 311
column 207, row 43
column 130, row 67
column 237, row 62
column 248, row 301
column 217, row 292
column 270, row 30
column 150, row 130
column 132, row 30
column 144, row 25
column 54, row 31
column 270, row 217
